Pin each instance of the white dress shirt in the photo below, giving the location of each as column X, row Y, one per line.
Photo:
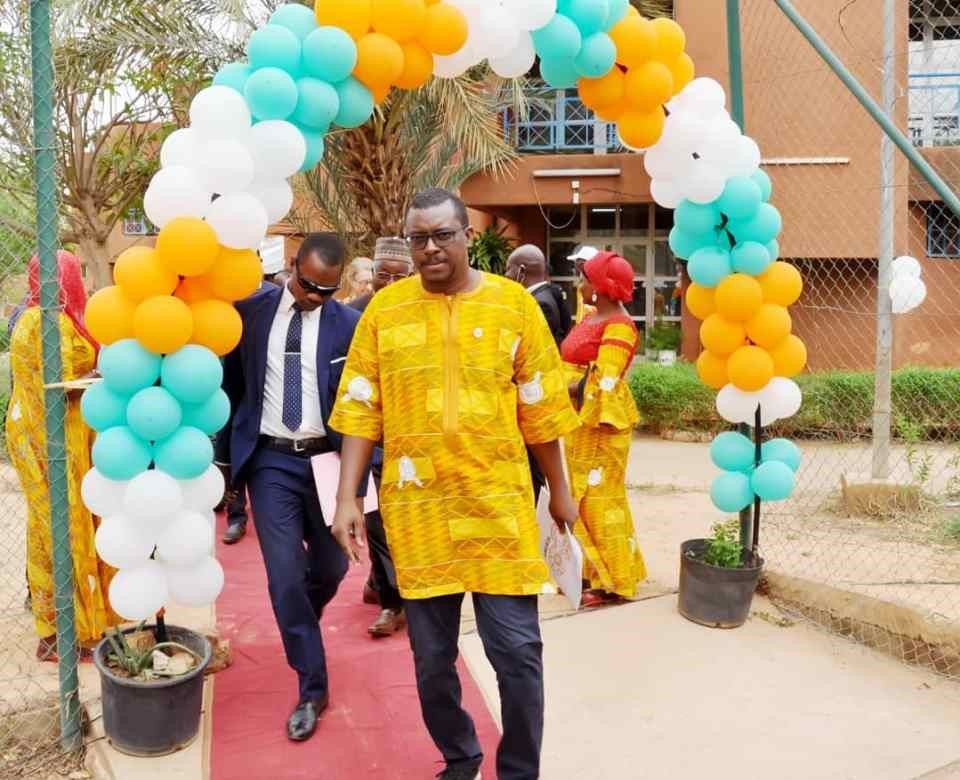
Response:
column 271, row 423
column 534, row 287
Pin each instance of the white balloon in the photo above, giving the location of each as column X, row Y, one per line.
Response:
column 780, row 399
column 906, row 266
column 180, row 148
column 220, row 112
column 152, row 495
column 492, row 31
column 705, row 184
column 175, row 191
column 907, row 293
column 747, row 158
column 666, row 193
column 187, row 540
column 197, row 585
column 121, row 544
column 140, row 592
column 517, row 61
column 100, row 495
column 720, row 144
column 531, row 14
column 456, row 64
column 205, row 492
column 275, row 196
column 737, row 406
column 704, row 97
column 240, row 220
column 278, row 149
column 225, row 166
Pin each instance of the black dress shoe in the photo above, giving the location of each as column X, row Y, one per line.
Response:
column 234, row 533
column 303, row 720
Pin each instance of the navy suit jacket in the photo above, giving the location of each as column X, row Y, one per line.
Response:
column 245, row 371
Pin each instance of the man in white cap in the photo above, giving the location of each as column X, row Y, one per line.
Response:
column 578, row 258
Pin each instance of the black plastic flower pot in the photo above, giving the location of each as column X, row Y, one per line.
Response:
column 713, row 596
column 157, row 717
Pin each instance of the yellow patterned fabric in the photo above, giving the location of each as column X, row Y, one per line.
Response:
column 584, row 309
column 456, row 385
column 597, row 456
column 27, row 447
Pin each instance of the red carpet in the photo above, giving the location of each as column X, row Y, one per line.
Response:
column 373, row 728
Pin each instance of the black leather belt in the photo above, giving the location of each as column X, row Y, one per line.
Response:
column 313, row 446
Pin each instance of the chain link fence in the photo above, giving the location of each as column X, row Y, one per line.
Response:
column 869, row 545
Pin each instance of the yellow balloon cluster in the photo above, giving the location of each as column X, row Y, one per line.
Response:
column 651, row 68
column 176, row 294
column 396, row 39
column 746, row 329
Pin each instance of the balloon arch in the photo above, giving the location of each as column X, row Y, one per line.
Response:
column 170, row 316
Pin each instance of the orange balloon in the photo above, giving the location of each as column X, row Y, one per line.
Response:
column 401, row 20
column 417, row 67
column 612, row 112
column 789, row 357
column 648, row 86
column 380, row 94
column 163, row 324
column 781, row 283
column 641, row 130
column 379, row 60
column 671, row 39
column 700, row 300
column 738, row 297
column 193, row 289
column 216, row 326
column 632, row 10
column 769, row 326
column 712, row 370
column 750, row 368
column 109, row 315
column 721, row 336
column 236, row 274
column 141, row 275
column 604, row 91
column 635, row 39
column 444, row 29
column 683, row 71
column 188, row 246
column 354, row 16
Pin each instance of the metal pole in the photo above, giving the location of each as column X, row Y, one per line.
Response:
column 884, row 359
column 54, row 401
column 876, row 112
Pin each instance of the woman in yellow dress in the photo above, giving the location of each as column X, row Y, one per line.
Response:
column 597, row 353
column 27, row 448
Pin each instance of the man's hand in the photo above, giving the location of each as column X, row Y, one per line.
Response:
column 563, row 509
column 349, row 528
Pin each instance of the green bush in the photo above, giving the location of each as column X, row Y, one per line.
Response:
column 673, row 398
column 4, row 338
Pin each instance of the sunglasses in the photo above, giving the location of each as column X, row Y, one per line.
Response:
column 441, row 238
column 313, row 287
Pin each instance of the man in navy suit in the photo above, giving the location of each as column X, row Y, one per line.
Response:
column 282, row 381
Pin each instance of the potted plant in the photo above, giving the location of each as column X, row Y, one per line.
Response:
column 151, row 681
column 718, row 578
column 662, row 342
column 490, row 249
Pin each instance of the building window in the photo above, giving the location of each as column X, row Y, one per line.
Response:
column 943, row 231
column 934, row 20
column 135, row 223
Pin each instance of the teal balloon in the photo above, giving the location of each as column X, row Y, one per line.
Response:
column 297, row 18
column 184, row 455
column 271, row 93
column 233, row 75
column 764, row 183
column 774, row 249
column 763, row 227
column 684, row 244
column 732, row 451
column 740, row 198
column 709, row 266
column 119, row 454
column 618, row 10
column 102, row 408
column 783, row 451
column 590, row 16
column 559, row 74
column 773, row 481
column 315, row 149
column 597, row 56
column 560, row 39
column 317, row 104
column 329, row 54
column 127, row 367
column 724, row 241
column 209, row 416
column 192, row 374
column 356, row 103
column 731, row 491
column 273, row 46
column 750, row 258
column 696, row 217
column 153, row 414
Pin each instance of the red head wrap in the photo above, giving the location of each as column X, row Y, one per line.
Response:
column 611, row 276
column 73, row 295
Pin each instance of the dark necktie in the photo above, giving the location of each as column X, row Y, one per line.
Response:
column 293, row 373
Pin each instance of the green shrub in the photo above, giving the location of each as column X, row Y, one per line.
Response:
column 673, row 398
column 4, row 338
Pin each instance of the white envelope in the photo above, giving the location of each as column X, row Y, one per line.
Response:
column 326, row 474
column 561, row 551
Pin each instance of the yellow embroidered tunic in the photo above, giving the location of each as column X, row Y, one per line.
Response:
column 456, row 385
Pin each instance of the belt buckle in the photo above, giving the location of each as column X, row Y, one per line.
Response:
column 299, row 445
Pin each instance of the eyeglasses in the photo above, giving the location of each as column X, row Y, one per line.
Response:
column 383, row 276
column 441, row 238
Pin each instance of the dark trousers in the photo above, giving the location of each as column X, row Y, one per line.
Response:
column 305, row 565
column 510, row 632
column 237, row 508
column 383, row 576
column 539, row 481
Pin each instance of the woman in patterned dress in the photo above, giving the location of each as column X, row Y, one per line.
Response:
column 27, row 448
column 597, row 354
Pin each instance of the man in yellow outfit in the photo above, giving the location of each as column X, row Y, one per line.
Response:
column 456, row 370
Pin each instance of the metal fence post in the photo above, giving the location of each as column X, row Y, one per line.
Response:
column 54, row 402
